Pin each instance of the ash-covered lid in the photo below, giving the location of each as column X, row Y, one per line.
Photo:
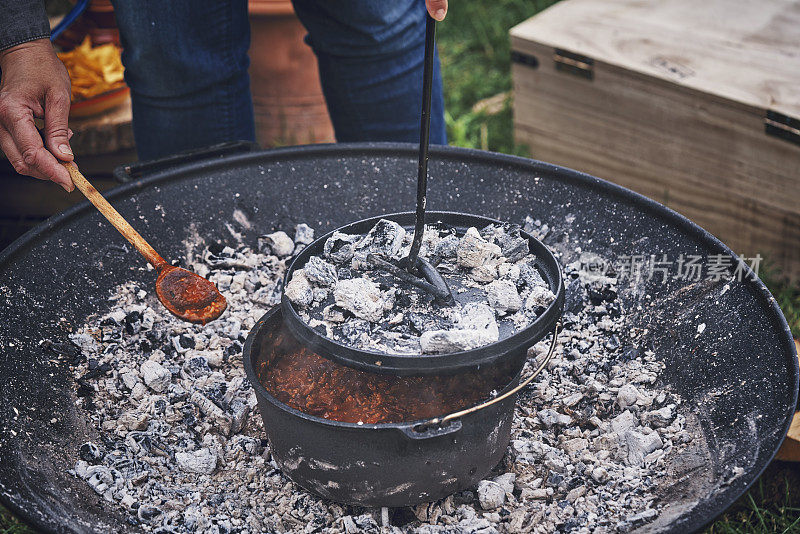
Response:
column 506, row 284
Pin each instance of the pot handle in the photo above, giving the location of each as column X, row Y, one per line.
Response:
column 134, row 171
column 425, row 430
column 456, row 415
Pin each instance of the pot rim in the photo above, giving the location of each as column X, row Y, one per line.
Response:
column 247, row 357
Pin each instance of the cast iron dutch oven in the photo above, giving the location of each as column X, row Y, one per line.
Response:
column 392, row 464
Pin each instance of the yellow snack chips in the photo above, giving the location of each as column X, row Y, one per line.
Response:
column 93, row 70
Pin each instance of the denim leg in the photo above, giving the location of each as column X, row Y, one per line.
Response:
column 186, row 64
column 370, row 55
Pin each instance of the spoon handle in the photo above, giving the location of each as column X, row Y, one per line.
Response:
column 114, row 217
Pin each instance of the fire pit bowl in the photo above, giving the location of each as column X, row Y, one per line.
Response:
column 511, row 348
column 738, row 378
column 388, row 464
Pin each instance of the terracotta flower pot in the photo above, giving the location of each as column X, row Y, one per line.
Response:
column 287, row 97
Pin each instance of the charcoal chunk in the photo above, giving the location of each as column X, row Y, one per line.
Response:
column 197, row 366
column 303, row 234
column 474, row 251
column 361, row 297
column 384, row 239
column 339, row 247
column 299, row 290
column 320, row 272
column 277, row 243
column 90, row 453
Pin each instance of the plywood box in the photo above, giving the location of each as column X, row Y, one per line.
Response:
column 694, row 104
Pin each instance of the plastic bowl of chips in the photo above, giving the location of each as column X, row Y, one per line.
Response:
column 99, row 103
column 97, row 76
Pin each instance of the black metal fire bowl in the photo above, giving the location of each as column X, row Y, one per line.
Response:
column 739, row 379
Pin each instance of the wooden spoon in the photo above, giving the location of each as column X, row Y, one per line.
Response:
column 184, row 293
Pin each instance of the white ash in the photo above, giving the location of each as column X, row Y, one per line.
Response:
column 590, row 438
column 181, row 445
column 361, row 297
column 492, row 266
column 299, row 289
column 277, row 243
column 475, row 327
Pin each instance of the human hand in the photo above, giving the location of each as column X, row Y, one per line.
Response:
column 35, row 84
column 437, row 8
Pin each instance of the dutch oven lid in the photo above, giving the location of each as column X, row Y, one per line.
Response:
column 404, row 364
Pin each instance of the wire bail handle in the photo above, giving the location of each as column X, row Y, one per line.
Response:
column 507, row 394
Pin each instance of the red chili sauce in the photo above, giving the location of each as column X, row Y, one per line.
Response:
column 321, row 387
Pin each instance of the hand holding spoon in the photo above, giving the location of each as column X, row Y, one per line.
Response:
column 184, row 293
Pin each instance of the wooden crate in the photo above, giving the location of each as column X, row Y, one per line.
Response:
column 694, row 104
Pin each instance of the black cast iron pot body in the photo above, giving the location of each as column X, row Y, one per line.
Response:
column 511, row 348
column 374, row 465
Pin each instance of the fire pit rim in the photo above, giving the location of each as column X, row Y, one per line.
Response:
column 12, row 498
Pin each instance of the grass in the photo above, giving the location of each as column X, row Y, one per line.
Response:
column 474, row 47
column 771, row 506
column 788, row 297
column 11, row 525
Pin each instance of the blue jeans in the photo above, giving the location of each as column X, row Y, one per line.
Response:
column 186, row 64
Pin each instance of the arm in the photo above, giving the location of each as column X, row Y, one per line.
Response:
column 34, row 84
column 22, row 21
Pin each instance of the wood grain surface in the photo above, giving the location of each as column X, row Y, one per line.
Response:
column 739, row 50
column 690, row 137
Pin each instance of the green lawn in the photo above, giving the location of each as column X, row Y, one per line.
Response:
column 474, row 46
column 11, row 525
column 788, row 297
